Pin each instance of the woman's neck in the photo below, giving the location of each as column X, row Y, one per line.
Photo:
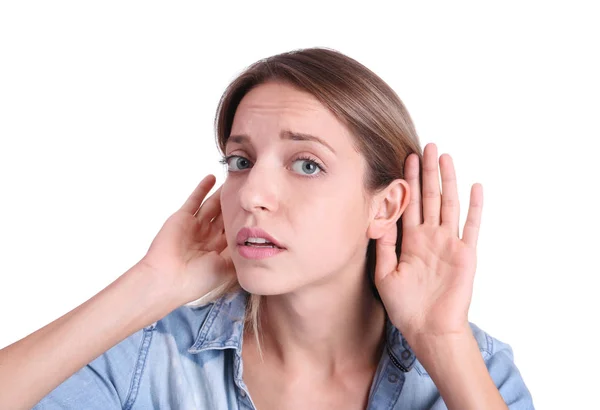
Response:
column 331, row 328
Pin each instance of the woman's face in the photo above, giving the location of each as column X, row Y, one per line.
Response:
column 308, row 196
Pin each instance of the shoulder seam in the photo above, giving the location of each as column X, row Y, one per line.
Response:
column 139, row 367
column 489, row 348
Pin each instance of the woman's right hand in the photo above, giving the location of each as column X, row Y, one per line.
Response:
column 189, row 255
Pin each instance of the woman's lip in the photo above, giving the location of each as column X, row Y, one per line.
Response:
column 258, row 252
column 256, row 232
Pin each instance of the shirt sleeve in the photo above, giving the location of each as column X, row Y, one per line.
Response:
column 507, row 377
column 109, row 382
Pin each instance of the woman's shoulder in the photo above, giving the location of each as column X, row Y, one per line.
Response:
column 141, row 367
column 488, row 344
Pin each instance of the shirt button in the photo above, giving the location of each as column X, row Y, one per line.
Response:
column 392, row 377
column 242, row 393
column 405, row 354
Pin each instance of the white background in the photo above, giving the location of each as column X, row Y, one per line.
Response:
column 106, row 126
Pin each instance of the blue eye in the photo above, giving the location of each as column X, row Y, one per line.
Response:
column 309, row 166
column 238, row 161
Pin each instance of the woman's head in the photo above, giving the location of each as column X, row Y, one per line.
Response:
column 326, row 200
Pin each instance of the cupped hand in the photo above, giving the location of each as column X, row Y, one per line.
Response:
column 427, row 291
column 189, row 255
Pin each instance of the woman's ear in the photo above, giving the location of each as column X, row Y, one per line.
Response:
column 387, row 207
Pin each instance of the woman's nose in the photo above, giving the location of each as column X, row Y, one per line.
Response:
column 258, row 191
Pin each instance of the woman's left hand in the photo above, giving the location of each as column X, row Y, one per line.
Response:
column 427, row 292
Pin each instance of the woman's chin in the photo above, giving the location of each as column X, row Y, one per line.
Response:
column 255, row 288
column 263, row 286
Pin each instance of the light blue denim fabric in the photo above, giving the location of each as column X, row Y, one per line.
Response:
column 191, row 359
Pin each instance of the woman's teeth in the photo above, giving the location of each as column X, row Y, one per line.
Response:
column 259, row 245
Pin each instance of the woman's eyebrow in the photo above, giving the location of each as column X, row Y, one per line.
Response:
column 286, row 135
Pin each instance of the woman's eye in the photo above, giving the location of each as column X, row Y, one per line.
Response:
column 307, row 166
column 235, row 162
column 301, row 165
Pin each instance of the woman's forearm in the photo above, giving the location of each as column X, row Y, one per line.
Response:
column 459, row 372
column 33, row 366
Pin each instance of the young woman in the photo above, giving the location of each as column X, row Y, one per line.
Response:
column 333, row 272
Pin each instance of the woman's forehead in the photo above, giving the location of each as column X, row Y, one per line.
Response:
column 280, row 109
column 275, row 95
column 281, row 100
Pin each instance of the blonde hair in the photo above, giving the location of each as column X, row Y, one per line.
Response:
column 382, row 129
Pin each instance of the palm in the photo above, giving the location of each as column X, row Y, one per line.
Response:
column 183, row 239
column 190, row 249
column 429, row 289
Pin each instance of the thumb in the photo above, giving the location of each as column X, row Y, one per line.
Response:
column 385, row 249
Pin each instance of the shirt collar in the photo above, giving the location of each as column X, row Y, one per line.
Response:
column 224, row 325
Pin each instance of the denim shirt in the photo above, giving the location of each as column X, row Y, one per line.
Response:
column 192, row 359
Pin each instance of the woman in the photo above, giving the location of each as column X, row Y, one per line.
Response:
column 307, row 304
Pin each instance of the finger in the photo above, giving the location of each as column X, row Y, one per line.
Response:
column 216, row 225
column 226, row 254
column 385, row 249
column 221, row 243
column 431, row 186
column 211, row 207
column 471, row 229
column 197, row 196
column 217, row 241
column 412, row 213
column 450, row 204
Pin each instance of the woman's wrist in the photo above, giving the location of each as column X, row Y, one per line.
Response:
column 456, row 366
column 147, row 297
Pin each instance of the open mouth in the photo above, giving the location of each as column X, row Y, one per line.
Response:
column 260, row 245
